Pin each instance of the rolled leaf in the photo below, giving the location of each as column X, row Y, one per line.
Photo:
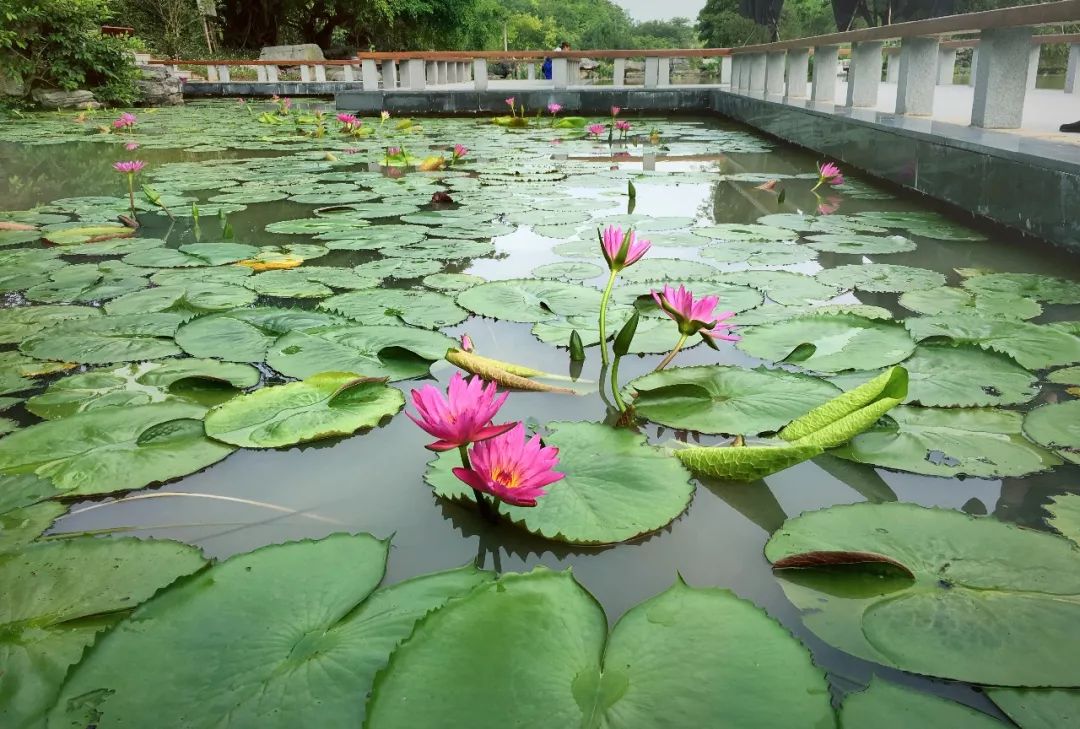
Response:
column 625, row 337
column 493, row 370
column 844, row 417
column 748, row 463
column 577, row 347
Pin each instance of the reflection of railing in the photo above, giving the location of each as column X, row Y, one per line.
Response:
column 1004, row 66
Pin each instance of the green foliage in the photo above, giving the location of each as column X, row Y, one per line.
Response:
column 58, row 44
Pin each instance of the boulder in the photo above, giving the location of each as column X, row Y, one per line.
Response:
column 11, row 84
column 587, row 64
column 635, row 66
column 300, row 52
column 60, row 99
column 159, row 87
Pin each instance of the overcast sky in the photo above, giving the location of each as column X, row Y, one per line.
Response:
column 662, row 9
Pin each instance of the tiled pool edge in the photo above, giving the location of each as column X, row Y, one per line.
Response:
column 1027, row 184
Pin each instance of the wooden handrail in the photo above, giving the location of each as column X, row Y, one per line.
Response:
column 540, row 55
column 1064, row 11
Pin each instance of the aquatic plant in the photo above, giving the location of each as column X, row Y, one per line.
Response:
column 693, row 317
column 125, row 122
column 615, row 112
column 463, row 416
column 620, row 251
column 383, row 116
column 510, row 468
column 349, row 122
column 595, row 130
column 623, row 126
column 829, row 174
column 130, row 168
column 459, row 152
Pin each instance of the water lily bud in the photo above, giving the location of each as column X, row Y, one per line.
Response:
column 626, row 335
column 577, row 347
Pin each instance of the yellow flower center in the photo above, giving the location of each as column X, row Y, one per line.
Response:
column 506, row 477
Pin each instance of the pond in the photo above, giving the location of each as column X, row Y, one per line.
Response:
column 281, row 246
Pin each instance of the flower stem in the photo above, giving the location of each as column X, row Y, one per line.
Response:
column 131, row 192
column 615, row 385
column 603, row 317
column 481, row 502
column 671, row 355
column 819, row 184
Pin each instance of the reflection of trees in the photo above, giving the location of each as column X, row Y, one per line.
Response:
column 1023, row 500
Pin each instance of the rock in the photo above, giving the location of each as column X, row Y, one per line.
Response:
column 635, row 66
column 159, row 86
column 301, row 52
column 60, row 99
column 11, row 84
column 587, row 64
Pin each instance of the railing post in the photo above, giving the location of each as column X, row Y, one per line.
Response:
column 736, row 71
column 1033, row 65
column 744, row 73
column 305, row 74
column 369, row 74
column 652, row 72
column 726, row 63
column 272, row 74
column 530, row 72
column 224, row 74
column 974, row 65
column 480, row 80
column 758, row 65
column 560, row 73
column 414, row 71
column 663, row 75
column 892, row 65
column 441, row 73
column 864, row 74
column 618, row 75
column 826, row 60
column 260, row 74
column 431, row 73
column 1072, row 83
column 347, row 71
column 946, row 66
column 211, row 73
column 917, row 76
column 467, row 69
column 390, row 74
column 1002, row 78
column 320, row 73
column 774, row 72
column 798, row 68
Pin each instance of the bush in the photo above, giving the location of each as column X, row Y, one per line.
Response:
column 59, row 44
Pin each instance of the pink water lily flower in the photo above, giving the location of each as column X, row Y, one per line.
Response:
column 694, row 317
column 461, row 417
column 615, row 110
column 125, row 121
column 393, row 151
column 131, row 146
column 384, row 115
column 348, row 120
column 511, row 468
column 595, row 130
column 622, row 126
column 510, row 102
column 460, row 150
column 554, row 108
column 621, row 251
column 130, row 167
column 829, row 174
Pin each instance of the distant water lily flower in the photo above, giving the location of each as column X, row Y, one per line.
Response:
column 130, row 168
column 510, row 102
column 693, row 317
column 393, row 151
column 554, row 108
column 620, row 250
column 125, row 121
column 615, row 111
column 131, row 146
column 348, row 121
column 595, row 130
column 623, row 127
column 461, row 417
column 460, row 151
column 829, row 174
column 511, row 468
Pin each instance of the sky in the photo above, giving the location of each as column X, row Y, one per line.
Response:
column 662, row 9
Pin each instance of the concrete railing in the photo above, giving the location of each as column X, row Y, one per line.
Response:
column 1003, row 71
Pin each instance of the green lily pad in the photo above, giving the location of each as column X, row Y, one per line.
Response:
column 1056, row 425
column 107, row 339
column 745, row 463
column 664, row 270
column 870, row 578
column 217, row 274
column 1046, row 289
column 443, row 249
column 427, row 309
column 733, row 297
column 821, row 223
column 1038, row 708
column 59, row 596
column 724, row 399
column 759, row 253
column 978, row 442
column 399, row 268
column 1033, row 346
column 784, row 287
column 187, row 300
column 736, row 231
column 771, row 313
column 1065, row 376
column 89, row 282
column 325, row 405
column 861, row 245
column 114, row 247
column 308, row 282
column 203, row 381
column 193, row 254
column 529, row 300
column 1065, row 515
column 573, row 270
column 545, row 630
column 949, row 300
column 396, row 352
column 374, row 238
column 20, row 322
column 24, row 512
column 64, row 234
column 829, row 343
column 452, row 281
column 617, row 487
column 243, row 335
column 888, row 706
column 321, row 641
column 881, row 278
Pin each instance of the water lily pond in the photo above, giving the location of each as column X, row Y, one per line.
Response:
column 861, row 506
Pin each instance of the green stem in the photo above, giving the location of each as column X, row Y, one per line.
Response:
column 819, row 184
column 615, row 385
column 671, row 355
column 481, row 502
column 603, row 317
column 131, row 192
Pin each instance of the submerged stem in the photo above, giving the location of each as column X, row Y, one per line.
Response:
column 603, row 317
column 671, row 355
column 615, row 385
column 481, row 502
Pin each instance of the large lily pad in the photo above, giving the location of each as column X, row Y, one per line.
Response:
column 1033, row 346
column 617, row 487
column 737, row 231
column 114, row 449
column 323, row 406
column 203, row 381
column 243, row 335
column 58, row 597
column 871, row 579
column 1056, row 425
column 1047, row 289
column 974, row 442
column 193, row 254
column 1038, row 708
column 881, row 278
column 25, row 512
column 86, row 282
column 784, row 287
column 20, row 322
column 400, row 268
column 723, row 399
column 949, row 300
column 829, row 343
column 544, row 631
column 427, row 309
column 759, row 253
column 107, row 339
column 311, row 609
column 861, row 245
column 529, row 300
column 1065, row 515
column 665, row 269
column 395, row 352
column 188, row 299
column 889, row 706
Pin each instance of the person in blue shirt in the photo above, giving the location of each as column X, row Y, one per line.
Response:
column 546, row 68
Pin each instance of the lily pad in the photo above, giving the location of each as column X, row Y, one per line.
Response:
column 452, row 281
column 771, row 313
column 427, row 309
column 760, row 253
column 881, row 278
column 978, row 442
column 321, row 641
column 784, row 287
column 1038, row 708
column 870, row 578
column 89, row 282
column 736, row 231
column 64, row 234
column 193, row 254
column 829, row 343
column 888, row 706
column 396, row 352
column 949, row 300
column 442, row 249
column 243, row 335
column 1056, row 425
column 107, row 339
column 529, row 300
column 545, row 630
column 617, row 487
column 325, row 405
column 1046, row 289
column 573, row 270
column 861, row 245
column 20, row 322
column 24, row 512
column 724, row 399
column 185, row 299
column 1065, row 376
column 665, row 269
column 1033, row 346
column 399, row 268
column 59, row 596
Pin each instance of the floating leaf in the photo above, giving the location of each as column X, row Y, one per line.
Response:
column 759, row 253
column 1065, row 376
column 1033, row 346
column 1047, row 289
column 396, row 352
column 20, row 322
column 544, row 630
column 529, row 300
column 664, row 270
column 1038, row 708
column 881, row 278
column 24, row 514
column 243, row 335
column 186, row 299
column 1056, row 425
column 888, row 706
column 617, row 487
column 399, row 268
column 783, row 287
column 321, row 640
column 59, row 596
column 70, row 235
column 774, row 312
column 192, row 254
column 504, row 373
column 964, row 576
column 974, row 442
column 736, row 231
column 949, row 300
column 724, row 399
column 428, row 309
column 861, row 245
column 113, row 449
column 573, row 270
column 89, row 282
column 1065, row 515
column 107, row 339
column 745, row 463
column 829, row 343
